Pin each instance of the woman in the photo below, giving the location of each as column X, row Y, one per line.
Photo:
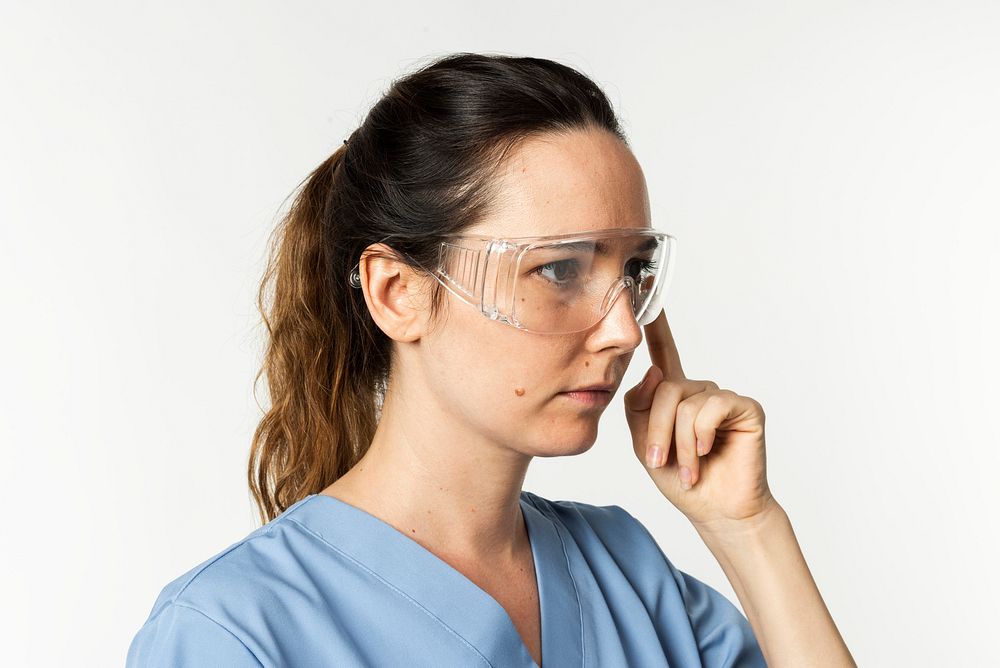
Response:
column 388, row 469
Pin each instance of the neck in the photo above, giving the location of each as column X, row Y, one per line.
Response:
column 447, row 488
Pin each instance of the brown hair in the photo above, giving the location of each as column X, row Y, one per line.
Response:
column 420, row 165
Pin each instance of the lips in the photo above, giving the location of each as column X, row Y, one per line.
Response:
column 590, row 399
column 593, row 388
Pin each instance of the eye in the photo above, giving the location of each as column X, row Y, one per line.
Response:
column 645, row 268
column 558, row 280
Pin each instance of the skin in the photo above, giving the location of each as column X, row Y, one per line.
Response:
column 718, row 436
column 471, row 401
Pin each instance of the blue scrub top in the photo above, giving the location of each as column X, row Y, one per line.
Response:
column 328, row 584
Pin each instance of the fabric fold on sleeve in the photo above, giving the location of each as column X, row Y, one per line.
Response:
column 180, row 635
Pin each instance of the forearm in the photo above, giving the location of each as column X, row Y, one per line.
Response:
column 765, row 565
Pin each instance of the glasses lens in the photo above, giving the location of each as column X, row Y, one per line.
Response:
column 568, row 286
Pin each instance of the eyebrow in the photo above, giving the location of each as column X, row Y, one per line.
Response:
column 602, row 249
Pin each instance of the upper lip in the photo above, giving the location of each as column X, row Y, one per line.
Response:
column 606, row 387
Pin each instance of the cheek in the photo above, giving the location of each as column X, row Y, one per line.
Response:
column 505, row 370
column 530, row 383
column 509, row 384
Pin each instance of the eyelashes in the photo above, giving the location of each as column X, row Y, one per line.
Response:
column 645, row 267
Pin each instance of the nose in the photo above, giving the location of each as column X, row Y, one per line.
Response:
column 619, row 323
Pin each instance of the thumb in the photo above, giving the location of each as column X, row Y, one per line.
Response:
column 638, row 401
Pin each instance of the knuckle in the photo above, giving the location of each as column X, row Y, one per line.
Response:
column 672, row 385
column 715, row 399
column 729, row 393
column 686, row 409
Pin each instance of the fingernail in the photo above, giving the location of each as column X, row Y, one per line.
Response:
column 653, row 456
column 685, row 477
column 701, row 448
column 645, row 379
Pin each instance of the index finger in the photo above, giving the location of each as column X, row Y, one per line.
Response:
column 662, row 349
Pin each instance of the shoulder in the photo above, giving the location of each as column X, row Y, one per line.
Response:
column 177, row 634
column 235, row 567
column 198, row 613
column 193, row 585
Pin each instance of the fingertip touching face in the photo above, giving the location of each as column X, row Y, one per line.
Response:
column 509, row 385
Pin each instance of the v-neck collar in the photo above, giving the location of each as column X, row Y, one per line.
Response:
column 447, row 594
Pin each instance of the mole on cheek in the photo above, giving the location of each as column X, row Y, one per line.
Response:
column 519, row 391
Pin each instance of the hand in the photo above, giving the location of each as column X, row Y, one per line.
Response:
column 728, row 481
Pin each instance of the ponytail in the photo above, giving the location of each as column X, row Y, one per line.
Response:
column 320, row 419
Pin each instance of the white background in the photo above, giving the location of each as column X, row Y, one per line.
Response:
column 831, row 172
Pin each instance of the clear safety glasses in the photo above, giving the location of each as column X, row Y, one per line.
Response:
column 557, row 284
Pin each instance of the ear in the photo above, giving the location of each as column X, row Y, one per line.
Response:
column 397, row 296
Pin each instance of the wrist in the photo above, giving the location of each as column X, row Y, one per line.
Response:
column 764, row 563
column 725, row 532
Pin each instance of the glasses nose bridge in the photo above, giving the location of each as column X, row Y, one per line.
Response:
column 622, row 284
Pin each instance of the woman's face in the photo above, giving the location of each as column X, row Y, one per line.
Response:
column 507, row 384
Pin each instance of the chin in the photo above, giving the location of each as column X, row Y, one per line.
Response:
column 562, row 445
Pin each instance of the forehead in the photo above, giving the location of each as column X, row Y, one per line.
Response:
column 559, row 183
